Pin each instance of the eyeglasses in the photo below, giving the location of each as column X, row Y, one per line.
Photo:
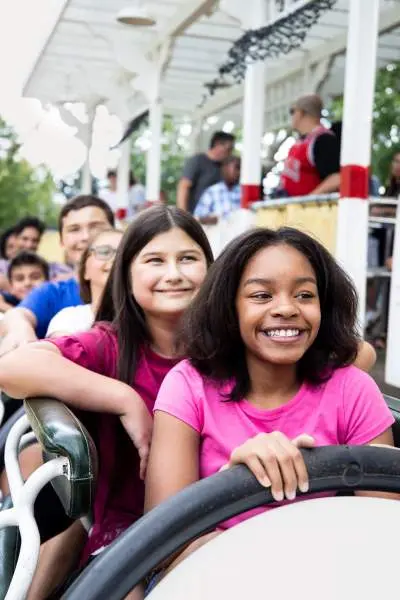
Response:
column 104, row 252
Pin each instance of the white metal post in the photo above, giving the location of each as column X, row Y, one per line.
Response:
column 86, row 180
column 123, row 171
column 352, row 227
column 253, row 112
column 153, row 165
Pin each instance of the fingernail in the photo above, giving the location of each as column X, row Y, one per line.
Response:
column 266, row 482
column 304, row 487
column 278, row 496
column 291, row 495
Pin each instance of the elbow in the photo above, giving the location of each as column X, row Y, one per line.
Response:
column 9, row 374
column 17, row 368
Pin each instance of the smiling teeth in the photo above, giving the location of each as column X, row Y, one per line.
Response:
column 283, row 333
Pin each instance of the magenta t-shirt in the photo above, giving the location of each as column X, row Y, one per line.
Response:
column 120, row 491
column 347, row 409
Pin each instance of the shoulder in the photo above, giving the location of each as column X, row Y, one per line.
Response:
column 96, row 349
column 56, row 288
column 195, row 159
column 184, row 370
column 325, row 137
column 185, row 395
column 45, row 292
column 71, row 319
column 214, row 189
column 354, row 391
column 57, row 268
column 350, row 377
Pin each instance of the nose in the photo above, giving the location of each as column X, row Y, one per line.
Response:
column 173, row 272
column 84, row 235
column 285, row 308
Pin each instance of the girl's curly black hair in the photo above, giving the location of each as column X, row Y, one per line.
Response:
column 210, row 334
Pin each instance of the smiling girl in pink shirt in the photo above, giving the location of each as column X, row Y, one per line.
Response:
column 269, row 339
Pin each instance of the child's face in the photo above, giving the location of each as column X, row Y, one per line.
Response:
column 24, row 278
column 29, row 239
column 167, row 273
column 278, row 306
column 78, row 226
column 11, row 249
column 101, row 258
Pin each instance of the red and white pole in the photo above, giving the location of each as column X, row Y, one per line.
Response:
column 352, row 227
column 123, row 172
column 253, row 113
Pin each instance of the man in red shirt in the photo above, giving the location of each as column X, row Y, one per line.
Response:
column 313, row 163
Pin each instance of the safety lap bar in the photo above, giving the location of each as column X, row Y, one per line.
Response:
column 201, row 506
column 60, row 433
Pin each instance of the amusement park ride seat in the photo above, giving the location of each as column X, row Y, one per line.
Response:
column 195, row 510
column 60, row 434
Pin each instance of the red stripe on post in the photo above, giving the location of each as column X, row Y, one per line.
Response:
column 354, row 181
column 250, row 193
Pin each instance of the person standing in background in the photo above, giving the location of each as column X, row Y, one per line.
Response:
column 136, row 196
column 203, row 170
column 219, row 200
column 313, row 162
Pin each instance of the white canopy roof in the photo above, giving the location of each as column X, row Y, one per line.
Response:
column 90, row 57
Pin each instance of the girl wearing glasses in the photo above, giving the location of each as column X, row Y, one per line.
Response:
column 94, row 268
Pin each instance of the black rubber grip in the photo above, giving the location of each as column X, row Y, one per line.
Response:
column 201, row 506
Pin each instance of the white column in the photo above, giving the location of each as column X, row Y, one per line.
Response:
column 195, row 137
column 123, row 170
column 352, row 227
column 253, row 113
column 86, row 174
column 153, row 165
column 392, row 370
column 86, row 178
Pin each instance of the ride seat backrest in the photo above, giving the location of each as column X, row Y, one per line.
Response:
column 60, row 433
column 394, row 405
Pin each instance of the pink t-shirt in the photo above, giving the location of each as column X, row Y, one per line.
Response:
column 120, row 491
column 347, row 409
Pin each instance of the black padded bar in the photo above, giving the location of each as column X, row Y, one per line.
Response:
column 201, row 506
column 60, row 433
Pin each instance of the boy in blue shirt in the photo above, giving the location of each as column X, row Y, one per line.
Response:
column 26, row 271
column 79, row 219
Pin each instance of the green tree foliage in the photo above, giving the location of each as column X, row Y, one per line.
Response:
column 23, row 190
column 385, row 128
column 173, row 156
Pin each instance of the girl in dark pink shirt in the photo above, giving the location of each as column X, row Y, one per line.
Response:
column 112, row 373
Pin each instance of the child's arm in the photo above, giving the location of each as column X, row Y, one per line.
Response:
column 366, row 357
column 173, row 461
column 173, row 465
column 39, row 369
